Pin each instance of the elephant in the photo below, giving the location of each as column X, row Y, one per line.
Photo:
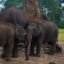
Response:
column 35, row 36
column 51, row 36
column 14, row 16
column 9, row 34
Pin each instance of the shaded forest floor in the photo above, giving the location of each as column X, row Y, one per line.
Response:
column 44, row 59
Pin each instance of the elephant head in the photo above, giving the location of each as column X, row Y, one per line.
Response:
column 20, row 33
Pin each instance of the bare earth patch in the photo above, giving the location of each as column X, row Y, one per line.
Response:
column 44, row 59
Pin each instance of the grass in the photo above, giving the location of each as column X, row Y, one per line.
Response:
column 61, row 35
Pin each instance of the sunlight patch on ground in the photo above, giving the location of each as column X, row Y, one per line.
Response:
column 61, row 35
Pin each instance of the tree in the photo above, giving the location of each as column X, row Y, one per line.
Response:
column 52, row 8
column 17, row 3
column 2, row 2
column 32, row 9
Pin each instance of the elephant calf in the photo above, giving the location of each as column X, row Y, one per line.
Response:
column 35, row 37
column 8, row 34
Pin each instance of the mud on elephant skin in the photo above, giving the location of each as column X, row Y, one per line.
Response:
column 8, row 33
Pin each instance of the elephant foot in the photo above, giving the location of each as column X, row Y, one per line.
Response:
column 3, row 56
column 38, row 55
column 7, row 59
column 50, row 53
column 27, row 58
column 35, row 55
column 15, row 56
column 58, row 49
column 51, row 63
column 32, row 54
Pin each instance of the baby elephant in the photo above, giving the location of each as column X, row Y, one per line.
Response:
column 8, row 34
column 35, row 37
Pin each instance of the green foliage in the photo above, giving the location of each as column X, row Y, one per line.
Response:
column 54, row 10
column 61, row 25
column 17, row 3
column 52, row 7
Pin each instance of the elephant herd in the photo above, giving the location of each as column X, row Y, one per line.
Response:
column 15, row 28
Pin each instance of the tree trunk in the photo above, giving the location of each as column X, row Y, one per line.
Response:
column 32, row 9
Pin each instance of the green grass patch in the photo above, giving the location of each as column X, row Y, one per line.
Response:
column 61, row 35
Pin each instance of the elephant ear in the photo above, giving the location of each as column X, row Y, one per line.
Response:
column 17, row 29
column 17, row 32
column 20, row 31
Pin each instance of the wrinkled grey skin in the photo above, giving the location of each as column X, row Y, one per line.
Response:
column 35, row 37
column 14, row 16
column 51, row 34
column 51, row 37
column 8, row 34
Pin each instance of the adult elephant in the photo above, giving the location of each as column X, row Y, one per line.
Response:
column 51, row 36
column 10, row 33
column 14, row 16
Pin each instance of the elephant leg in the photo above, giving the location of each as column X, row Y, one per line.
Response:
column 9, row 47
column 38, row 48
column 58, row 48
column 27, row 48
column 3, row 55
column 8, row 54
column 15, row 51
column 27, row 51
column 39, row 45
column 52, row 48
column 33, row 43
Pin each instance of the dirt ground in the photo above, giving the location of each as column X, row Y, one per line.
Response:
column 44, row 59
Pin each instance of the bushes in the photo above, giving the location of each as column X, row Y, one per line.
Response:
column 61, row 24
